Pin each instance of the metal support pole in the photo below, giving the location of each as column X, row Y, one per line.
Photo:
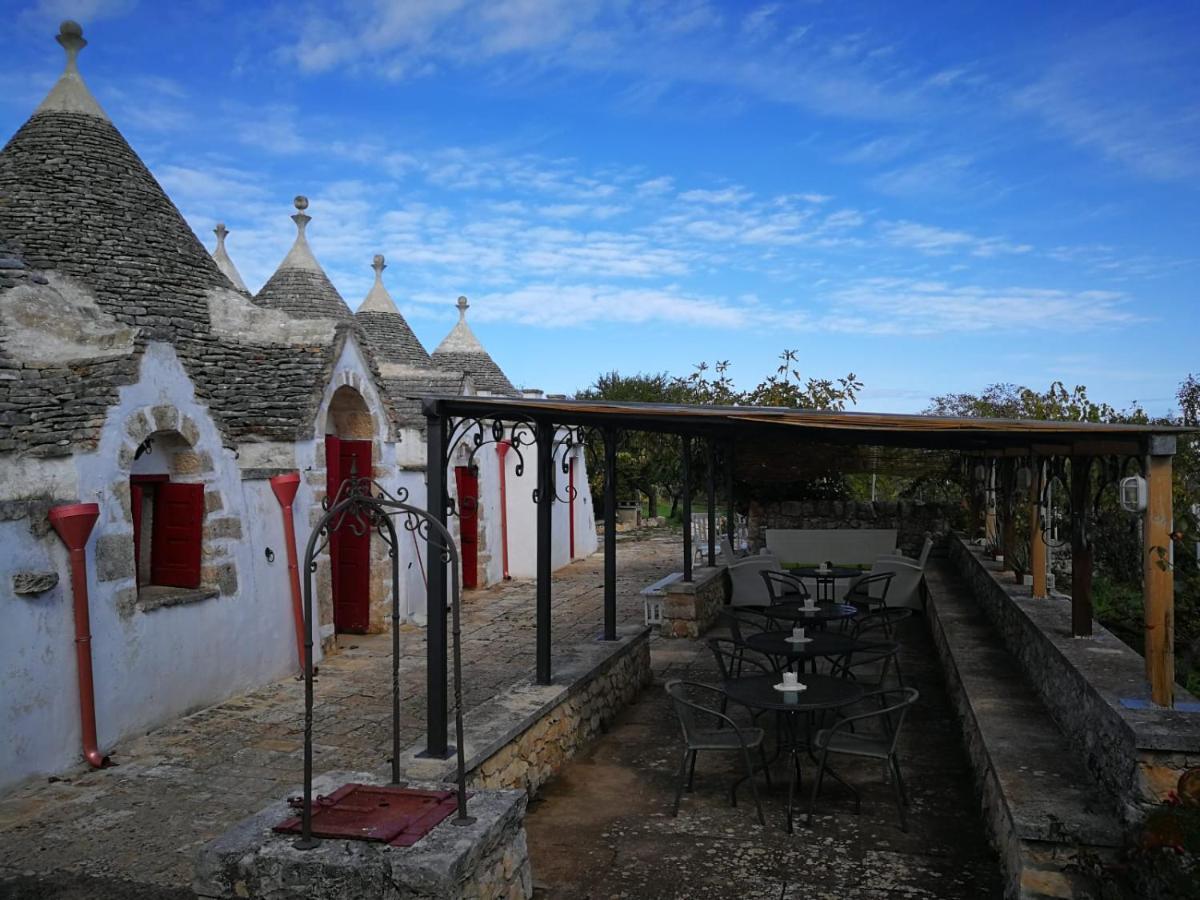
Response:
column 710, row 452
column 546, row 484
column 436, row 744
column 686, row 443
column 610, row 534
column 731, row 510
column 1081, row 547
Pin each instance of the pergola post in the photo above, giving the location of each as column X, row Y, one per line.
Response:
column 1008, row 509
column 731, row 510
column 1081, row 547
column 1158, row 583
column 546, row 485
column 989, row 504
column 610, row 534
column 710, row 452
column 686, row 444
column 1037, row 542
column 435, row 595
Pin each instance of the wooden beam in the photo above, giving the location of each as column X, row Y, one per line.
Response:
column 990, row 498
column 1158, row 582
column 1037, row 543
column 1081, row 547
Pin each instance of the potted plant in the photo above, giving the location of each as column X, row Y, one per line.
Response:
column 1018, row 558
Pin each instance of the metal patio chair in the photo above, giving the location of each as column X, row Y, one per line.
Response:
column 783, row 587
column 697, row 737
column 846, row 739
column 869, row 593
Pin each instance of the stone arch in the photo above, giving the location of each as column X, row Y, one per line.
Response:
column 175, row 438
column 349, row 416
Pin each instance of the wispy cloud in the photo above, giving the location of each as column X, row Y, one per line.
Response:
column 1127, row 90
column 910, row 307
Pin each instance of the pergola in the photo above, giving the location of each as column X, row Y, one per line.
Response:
column 1046, row 448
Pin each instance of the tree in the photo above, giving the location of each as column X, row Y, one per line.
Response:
column 647, row 463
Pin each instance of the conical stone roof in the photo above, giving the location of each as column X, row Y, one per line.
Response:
column 85, row 227
column 300, row 286
column 462, row 352
column 392, row 341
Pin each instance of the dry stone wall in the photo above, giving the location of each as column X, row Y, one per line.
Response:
column 911, row 518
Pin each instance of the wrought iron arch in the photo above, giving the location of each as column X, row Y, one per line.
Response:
column 362, row 504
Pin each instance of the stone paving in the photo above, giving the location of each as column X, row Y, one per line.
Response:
column 132, row 830
column 603, row 829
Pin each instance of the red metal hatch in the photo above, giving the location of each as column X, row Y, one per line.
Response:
column 389, row 814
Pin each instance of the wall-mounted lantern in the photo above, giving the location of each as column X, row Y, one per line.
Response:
column 1132, row 492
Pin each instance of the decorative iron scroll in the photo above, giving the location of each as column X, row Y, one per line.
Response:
column 363, row 505
column 479, row 433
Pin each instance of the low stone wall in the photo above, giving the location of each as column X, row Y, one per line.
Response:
column 1137, row 754
column 910, row 518
column 690, row 608
column 526, row 734
column 486, row 860
column 1043, row 811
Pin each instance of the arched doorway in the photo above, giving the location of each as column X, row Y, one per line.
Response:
column 349, row 429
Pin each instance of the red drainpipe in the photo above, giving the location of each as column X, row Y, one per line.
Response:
column 285, row 487
column 501, row 450
column 74, row 523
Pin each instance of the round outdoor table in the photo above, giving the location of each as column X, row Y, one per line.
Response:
column 820, row 643
column 824, row 692
column 826, row 579
column 816, row 615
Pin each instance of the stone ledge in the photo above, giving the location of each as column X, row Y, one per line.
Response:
column 155, row 596
column 262, row 473
column 1082, row 682
column 1040, row 805
column 488, row 858
column 702, row 577
column 489, row 728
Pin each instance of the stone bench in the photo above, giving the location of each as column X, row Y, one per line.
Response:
column 1095, row 688
column 1042, row 806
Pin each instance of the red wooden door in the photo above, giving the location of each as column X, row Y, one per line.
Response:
column 178, row 523
column 349, row 552
column 467, row 480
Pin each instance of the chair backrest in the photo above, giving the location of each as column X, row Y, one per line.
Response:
column 880, row 653
column 876, row 583
column 783, row 587
column 893, row 709
column 742, row 622
column 732, row 657
column 686, row 709
column 925, row 550
column 884, row 620
column 899, row 701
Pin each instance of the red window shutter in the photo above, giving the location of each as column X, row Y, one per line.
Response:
column 178, row 527
column 135, row 505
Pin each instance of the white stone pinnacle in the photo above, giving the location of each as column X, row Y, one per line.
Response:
column 301, row 255
column 224, row 263
column 69, row 93
column 378, row 299
column 461, row 338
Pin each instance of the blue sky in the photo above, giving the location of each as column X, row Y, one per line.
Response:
column 934, row 196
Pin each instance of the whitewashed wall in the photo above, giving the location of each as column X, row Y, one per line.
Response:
column 149, row 667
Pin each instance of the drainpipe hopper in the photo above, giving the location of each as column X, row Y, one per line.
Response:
column 74, row 523
column 285, row 487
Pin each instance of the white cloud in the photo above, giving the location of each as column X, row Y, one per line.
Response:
column 910, row 307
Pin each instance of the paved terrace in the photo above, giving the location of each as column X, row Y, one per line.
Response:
column 603, row 827
column 131, row 831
